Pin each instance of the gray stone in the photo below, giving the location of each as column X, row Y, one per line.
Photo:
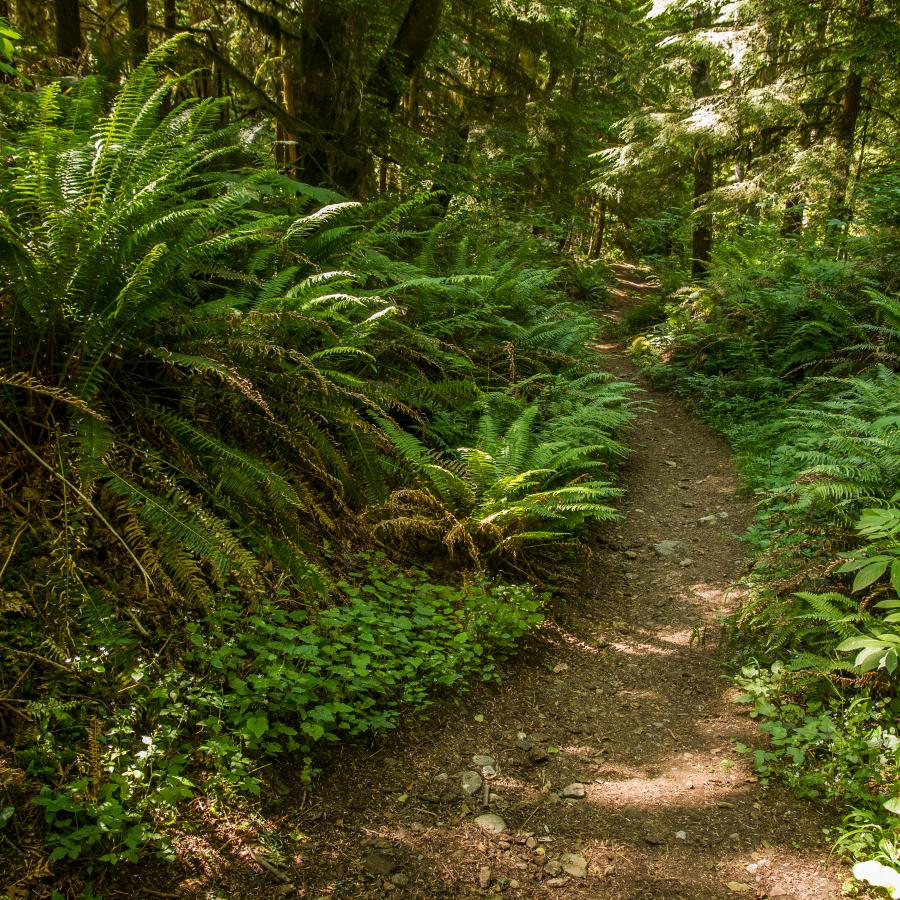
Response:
column 574, row 864
column 491, row 823
column 631, row 554
column 687, row 561
column 482, row 761
column 471, row 782
column 667, row 548
column 553, row 867
column 574, row 791
column 538, row 755
column 380, row 862
column 484, row 876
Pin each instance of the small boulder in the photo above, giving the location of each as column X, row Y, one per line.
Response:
column 574, row 864
column 491, row 823
column 665, row 549
column 574, row 791
column 471, row 782
column 380, row 862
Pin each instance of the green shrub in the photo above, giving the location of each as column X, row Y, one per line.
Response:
column 257, row 684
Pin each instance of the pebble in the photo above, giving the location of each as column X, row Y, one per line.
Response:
column 574, row 791
column 399, row 879
column 574, row 864
column 687, row 561
column 483, row 761
column 471, row 782
column 553, row 867
column 631, row 554
column 556, row 882
column 538, row 755
column 531, row 842
column 681, row 835
column 484, row 876
column 491, row 823
column 378, row 862
column 667, row 548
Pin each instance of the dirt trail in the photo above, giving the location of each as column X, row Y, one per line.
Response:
column 618, row 696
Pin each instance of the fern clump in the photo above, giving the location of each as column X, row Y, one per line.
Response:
column 184, row 339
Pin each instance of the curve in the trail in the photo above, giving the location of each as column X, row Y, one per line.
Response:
column 611, row 746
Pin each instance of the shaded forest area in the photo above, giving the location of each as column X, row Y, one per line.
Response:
column 301, row 423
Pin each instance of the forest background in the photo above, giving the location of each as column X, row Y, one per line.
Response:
column 297, row 416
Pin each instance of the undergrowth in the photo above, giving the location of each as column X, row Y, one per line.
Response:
column 793, row 355
column 219, row 387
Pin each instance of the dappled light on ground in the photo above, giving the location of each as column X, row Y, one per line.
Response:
column 604, row 766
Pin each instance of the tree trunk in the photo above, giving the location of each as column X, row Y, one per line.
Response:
column 844, row 136
column 455, row 147
column 596, row 245
column 69, row 43
column 170, row 16
column 701, row 243
column 328, row 94
column 137, row 30
column 407, row 52
column 702, row 170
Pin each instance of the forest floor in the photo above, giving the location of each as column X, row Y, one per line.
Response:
column 607, row 753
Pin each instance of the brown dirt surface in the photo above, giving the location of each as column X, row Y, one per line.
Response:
column 624, row 694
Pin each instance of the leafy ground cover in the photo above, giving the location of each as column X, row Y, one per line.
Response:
column 793, row 355
column 220, row 387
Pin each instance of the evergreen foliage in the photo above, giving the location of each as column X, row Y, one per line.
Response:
column 220, row 385
column 296, row 302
